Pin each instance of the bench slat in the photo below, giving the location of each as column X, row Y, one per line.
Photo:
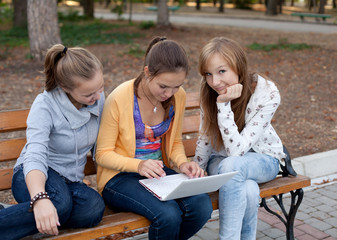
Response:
column 11, row 149
column 112, row 224
column 6, row 178
column 191, row 124
column 283, row 185
column 13, row 120
column 190, row 145
column 192, row 100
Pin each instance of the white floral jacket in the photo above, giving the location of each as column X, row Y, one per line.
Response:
column 258, row 133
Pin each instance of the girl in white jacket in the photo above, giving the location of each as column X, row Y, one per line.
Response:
column 236, row 133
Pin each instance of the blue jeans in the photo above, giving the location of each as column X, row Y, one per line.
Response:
column 239, row 198
column 77, row 206
column 173, row 219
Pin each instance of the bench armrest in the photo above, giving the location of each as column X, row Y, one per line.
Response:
column 287, row 168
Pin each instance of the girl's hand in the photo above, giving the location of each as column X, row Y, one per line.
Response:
column 232, row 92
column 191, row 169
column 151, row 168
column 46, row 217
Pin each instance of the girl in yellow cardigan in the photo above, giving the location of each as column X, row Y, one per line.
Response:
column 140, row 137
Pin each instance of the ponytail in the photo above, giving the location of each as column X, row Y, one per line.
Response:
column 63, row 64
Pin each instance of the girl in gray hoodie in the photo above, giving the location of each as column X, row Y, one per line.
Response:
column 62, row 128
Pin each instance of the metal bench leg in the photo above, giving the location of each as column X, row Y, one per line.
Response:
column 289, row 218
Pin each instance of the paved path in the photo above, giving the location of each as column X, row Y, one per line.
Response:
column 234, row 22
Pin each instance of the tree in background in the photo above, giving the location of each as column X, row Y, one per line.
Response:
column 243, row 4
column 20, row 13
column 271, row 7
column 198, row 3
column 163, row 14
column 88, row 8
column 222, row 6
column 43, row 29
column 321, row 6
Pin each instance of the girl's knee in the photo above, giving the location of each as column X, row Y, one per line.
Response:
column 230, row 164
column 252, row 193
column 89, row 214
column 198, row 208
column 63, row 205
column 61, row 199
column 203, row 205
column 168, row 219
column 96, row 207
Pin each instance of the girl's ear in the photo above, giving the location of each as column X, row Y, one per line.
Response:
column 146, row 71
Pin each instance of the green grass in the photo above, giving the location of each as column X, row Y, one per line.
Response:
column 79, row 33
column 96, row 32
column 146, row 24
column 282, row 44
column 6, row 13
column 14, row 37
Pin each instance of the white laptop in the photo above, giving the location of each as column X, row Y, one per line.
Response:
column 180, row 185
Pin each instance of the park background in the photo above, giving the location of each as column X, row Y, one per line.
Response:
column 301, row 63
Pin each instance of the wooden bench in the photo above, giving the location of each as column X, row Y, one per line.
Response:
column 170, row 8
column 314, row 15
column 114, row 223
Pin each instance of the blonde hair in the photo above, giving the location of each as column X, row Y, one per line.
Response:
column 236, row 58
column 63, row 64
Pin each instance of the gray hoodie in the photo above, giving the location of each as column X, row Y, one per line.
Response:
column 59, row 135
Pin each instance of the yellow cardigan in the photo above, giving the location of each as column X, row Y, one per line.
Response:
column 116, row 142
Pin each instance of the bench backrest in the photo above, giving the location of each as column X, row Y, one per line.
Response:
column 15, row 121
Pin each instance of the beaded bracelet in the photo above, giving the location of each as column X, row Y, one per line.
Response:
column 40, row 195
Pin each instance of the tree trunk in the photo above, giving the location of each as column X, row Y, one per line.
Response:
column 88, row 8
column 272, row 7
column 222, row 6
column 43, row 27
column 321, row 6
column 280, row 2
column 162, row 14
column 107, row 3
column 20, row 13
column 130, row 11
column 198, row 5
column 312, row 4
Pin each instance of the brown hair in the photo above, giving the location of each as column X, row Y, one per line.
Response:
column 163, row 56
column 236, row 58
column 63, row 64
